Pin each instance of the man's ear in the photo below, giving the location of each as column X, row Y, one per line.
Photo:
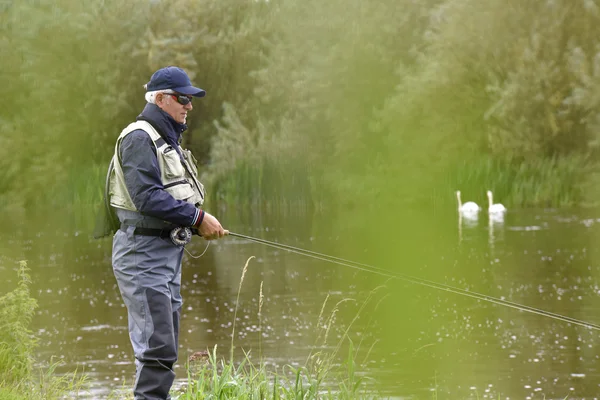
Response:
column 161, row 99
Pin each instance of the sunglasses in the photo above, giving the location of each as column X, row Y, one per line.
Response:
column 181, row 98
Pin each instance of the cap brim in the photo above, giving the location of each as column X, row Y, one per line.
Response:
column 191, row 91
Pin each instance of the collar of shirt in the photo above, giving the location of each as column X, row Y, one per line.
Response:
column 166, row 126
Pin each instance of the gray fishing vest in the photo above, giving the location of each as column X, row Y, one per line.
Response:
column 179, row 177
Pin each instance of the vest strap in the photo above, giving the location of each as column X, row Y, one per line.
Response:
column 159, row 142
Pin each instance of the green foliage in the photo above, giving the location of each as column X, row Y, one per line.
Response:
column 16, row 349
column 503, row 96
column 18, row 377
column 69, row 74
column 49, row 385
column 378, row 117
column 221, row 44
column 218, row 379
column 531, row 63
column 343, row 90
column 7, row 393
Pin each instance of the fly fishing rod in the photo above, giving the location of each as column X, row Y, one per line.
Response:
column 416, row 280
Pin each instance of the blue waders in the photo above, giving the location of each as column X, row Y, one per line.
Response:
column 148, row 272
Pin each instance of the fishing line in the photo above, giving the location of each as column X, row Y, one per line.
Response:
column 418, row 281
column 190, row 254
column 193, row 256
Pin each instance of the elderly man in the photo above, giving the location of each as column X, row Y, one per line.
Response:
column 157, row 197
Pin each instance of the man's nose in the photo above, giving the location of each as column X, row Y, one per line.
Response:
column 188, row 106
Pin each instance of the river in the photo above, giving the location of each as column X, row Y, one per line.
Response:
column 413, row 341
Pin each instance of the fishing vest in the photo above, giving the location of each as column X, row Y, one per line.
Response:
column 179, row 176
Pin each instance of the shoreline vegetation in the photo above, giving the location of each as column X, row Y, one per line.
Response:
column 418, row 100
column 324, row 375
column 20, row 379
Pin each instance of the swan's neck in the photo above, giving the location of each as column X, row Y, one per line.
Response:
column 458, row 199
column 490, row 200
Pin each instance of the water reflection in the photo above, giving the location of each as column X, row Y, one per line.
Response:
column 468, row 222
column 495, row 232
column 422, row 339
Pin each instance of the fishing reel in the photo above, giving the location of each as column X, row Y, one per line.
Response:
column 181, row 236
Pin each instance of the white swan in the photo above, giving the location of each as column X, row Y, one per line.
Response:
column 495, row 209
column 469, row 208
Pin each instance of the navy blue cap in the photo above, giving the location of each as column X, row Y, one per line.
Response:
column 173, row 78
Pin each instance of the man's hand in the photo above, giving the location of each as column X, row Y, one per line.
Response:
column 211, row 228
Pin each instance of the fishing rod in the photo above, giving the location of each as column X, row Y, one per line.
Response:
column 417, row 280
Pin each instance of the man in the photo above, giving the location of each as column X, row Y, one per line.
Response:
column 155, row 192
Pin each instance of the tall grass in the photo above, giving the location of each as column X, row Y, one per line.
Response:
column 553, row 182
column 245, row 380
column 73, row 202
column 283, row 188
column 19, row 380
column 264, row 187
column 286, row 190
column 322, row 376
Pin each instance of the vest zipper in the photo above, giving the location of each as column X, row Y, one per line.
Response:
column 176, row 183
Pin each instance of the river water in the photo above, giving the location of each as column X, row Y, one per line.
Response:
column 412, row 341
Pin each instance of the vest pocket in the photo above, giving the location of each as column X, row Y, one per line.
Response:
column 181, row 190
column 173, row 167
column 191, row 160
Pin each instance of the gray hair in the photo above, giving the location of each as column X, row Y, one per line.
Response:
column 151, row 96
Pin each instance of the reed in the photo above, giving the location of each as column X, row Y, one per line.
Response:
column 260, row 332
column 76, row 199
column 323, row 375
column 263, row 184
column 216, row 378
column 553, row 182
column 237, row 302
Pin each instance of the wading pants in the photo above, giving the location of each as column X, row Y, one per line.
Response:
column 148, row 272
